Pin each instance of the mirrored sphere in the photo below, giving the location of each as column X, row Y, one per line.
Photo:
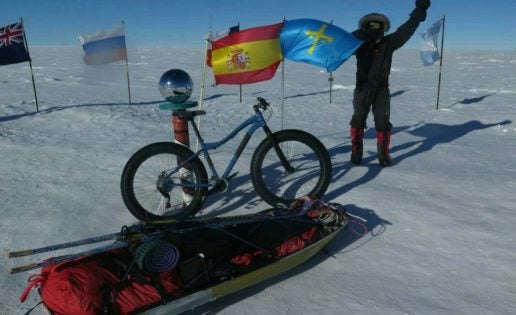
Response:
column 175, row 86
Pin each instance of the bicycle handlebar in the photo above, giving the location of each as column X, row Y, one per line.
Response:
column 262, row 103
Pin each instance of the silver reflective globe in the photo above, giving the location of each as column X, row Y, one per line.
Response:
column 175, row 86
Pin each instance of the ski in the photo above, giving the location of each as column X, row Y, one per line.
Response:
column 97, row 250
column 59, row 259
column 91, row 240
column 140, row 233
column 50, row 248
column 137, row 228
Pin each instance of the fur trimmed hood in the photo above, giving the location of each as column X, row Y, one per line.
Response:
column 377, row 17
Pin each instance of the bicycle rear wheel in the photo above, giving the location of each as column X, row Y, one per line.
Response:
column 310, row 174
column 155, row 187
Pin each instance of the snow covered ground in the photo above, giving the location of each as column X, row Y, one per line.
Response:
column 441, row 219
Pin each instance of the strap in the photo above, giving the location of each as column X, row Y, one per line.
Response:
column 161, row 290
column 33, row 281
column 34, row 307
column 108, row 299
column 188, row 114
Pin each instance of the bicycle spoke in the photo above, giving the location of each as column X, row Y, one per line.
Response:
column 295, row 184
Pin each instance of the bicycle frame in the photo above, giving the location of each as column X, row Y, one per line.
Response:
column 254, row 122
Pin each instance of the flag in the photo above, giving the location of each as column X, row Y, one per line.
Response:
column 318, row 43
column 429, row 52
column 213, row 37
column 248, row 56
column 104, row 47
column 229, row 31
column 12, row 44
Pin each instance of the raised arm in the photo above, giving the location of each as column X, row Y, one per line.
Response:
column 407, row 29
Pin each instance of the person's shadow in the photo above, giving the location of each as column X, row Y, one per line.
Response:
column 434, row 134
column 431, row 135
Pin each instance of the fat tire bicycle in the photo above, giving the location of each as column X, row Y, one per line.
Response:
column 167, row 180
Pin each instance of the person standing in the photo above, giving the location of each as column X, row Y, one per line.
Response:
column 374, row 59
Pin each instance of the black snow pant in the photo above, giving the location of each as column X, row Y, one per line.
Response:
column 379, row 103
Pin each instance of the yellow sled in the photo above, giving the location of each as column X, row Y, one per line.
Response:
column 218, row 291
column 170, row 268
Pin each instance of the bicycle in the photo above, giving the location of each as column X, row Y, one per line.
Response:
column 167, row 180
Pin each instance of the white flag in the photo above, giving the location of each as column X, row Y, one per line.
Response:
column 429, row 51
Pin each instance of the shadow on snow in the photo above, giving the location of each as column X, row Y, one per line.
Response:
column 59, row 108
column 472, row 100
column 432, row 134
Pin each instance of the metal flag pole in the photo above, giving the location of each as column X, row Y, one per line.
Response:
column 330, row 79
column 282, row 86
column 127, row 68
column 30, row 66
column 282, row 91
column 238, row 23
column 440, row 65
column 201, row 91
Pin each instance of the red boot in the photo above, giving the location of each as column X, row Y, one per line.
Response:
column 383, row 141
column 357, row 147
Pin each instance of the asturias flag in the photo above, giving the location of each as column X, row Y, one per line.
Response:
column 318, row 43
column 12, row 44
column 248, row 56
column 104, row 47
column 429, row 52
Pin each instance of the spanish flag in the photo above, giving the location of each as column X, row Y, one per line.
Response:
column 248, row 56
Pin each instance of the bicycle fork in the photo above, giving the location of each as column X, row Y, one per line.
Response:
column 286, row 164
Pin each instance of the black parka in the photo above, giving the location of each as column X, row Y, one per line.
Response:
column 383, row 51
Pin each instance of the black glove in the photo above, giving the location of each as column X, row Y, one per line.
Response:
column 423, row 4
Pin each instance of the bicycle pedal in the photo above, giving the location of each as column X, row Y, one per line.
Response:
column 230, row 177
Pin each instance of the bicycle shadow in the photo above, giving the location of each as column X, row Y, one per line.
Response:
column 243, row 196
column 346, row 241
column 431, row 134
column 240, row 195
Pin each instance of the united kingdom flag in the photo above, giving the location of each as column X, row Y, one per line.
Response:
column 12, row 44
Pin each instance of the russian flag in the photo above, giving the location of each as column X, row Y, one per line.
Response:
column 104, row 47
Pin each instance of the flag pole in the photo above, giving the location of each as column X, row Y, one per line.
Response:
column 330, row 79
column 201, row 91
column 240, row 84
column 127, row 68
column 30, row 66
column 282, row 86
column 440, row 65
column 282, row 90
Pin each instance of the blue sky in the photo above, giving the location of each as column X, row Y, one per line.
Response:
column 470, row 24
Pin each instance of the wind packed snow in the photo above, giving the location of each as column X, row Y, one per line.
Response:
column 441, row 221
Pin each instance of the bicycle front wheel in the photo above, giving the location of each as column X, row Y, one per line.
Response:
column 309, row 168
column 157, row 183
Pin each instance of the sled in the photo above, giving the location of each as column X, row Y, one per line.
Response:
column 173, row 267
column 218, row 291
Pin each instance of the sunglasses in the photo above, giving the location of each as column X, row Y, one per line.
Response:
column 373, row 25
